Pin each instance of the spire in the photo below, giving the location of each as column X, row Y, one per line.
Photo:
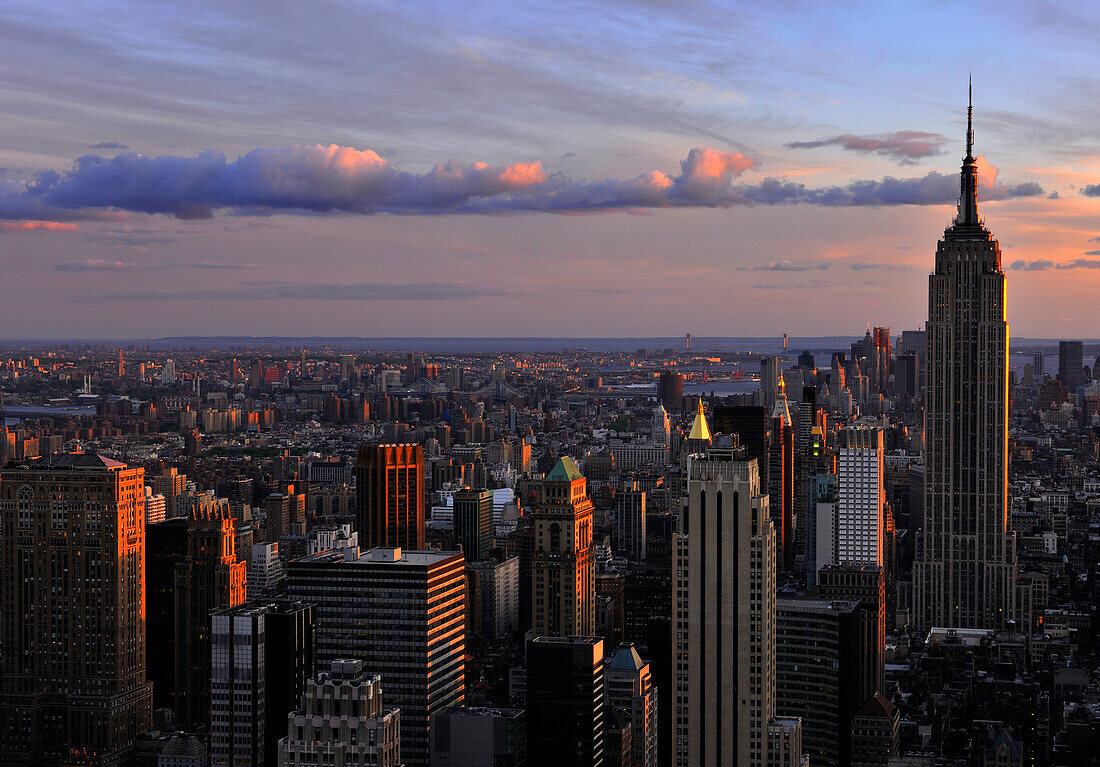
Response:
column 968, row 194
column 780, row 409
column 699, row 428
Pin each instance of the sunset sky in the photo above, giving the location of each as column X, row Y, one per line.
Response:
column 630, row 168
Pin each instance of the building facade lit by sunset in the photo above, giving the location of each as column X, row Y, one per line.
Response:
column 72, row 673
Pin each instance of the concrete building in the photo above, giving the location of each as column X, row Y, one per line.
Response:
column 265, row 570
column 965, row 567
column 479, row 737
column 563, row 587
column 415, row 605
column 72, row 614
column 493, row 598
column 861, row 496
column 342, row 722
column 723, row 618
column 565, row 701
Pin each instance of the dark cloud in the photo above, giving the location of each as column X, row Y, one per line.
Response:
column 1031, row 266
column 1094, row 239
column 319, row 179
column 96, row 265
column 1092, row 252
column 368, row 291
column 1044, row 264
column 788, row 266
column 1092, row 190
column 1053, row 195
column 109, row 145
column 131, row 240
column 904, row 146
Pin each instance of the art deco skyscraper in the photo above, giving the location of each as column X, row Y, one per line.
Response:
column 72, row 613
column 966, row 557
column 723, row 613
column 563, row 586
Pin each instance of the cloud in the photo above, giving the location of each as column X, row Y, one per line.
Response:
column 96, row 265
column 1094, row 239
column 102, row 265
column 788, row 266
column 1032, row 266
column 42, row 226
column 134, row 240
column 322, row 179
column 367, row 291
column 1092, row 190
column 1044, row 264
column 109, row 145
column 1053, row 195
column 904, row 146
column 1092, row 252
column 862, row 266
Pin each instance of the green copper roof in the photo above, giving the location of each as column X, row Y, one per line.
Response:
column 565, row 471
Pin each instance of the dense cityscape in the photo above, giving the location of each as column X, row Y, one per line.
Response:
column 881, row 550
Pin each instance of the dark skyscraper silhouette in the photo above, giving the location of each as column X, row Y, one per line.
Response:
column 1071, row 364
column 965, row 568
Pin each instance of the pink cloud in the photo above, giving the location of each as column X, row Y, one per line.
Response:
column 43, row 226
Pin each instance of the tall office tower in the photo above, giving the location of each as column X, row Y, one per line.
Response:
column 165, row 547
column 72, row 613
column 121, row 369
column 751, row 425
column 1071, row 364
column 965, row 567
column 723, row 614
column 414, row 603
column 1038, row 365
column 670, row 391
column 565, row 701
column 342, row 722
column 473, row 522
column 781, row 479
column 880, row 364
column 209, row 578
column 769, row 379
column 629, row 687
column 492, row 589
column 630, row 527
column 265, row 571
column 168, row 373
column 861, row 496
column 662, row 430
column 479, row 737
column 865, row 584
column 819, row 649
column 389, row 496
column 563, row 592
column 262, row 655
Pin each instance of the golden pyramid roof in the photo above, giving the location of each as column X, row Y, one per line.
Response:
column 699, row 428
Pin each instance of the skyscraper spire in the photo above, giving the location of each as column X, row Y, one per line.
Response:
column 968, row 195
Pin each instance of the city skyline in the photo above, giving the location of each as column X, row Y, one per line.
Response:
column 719, row 129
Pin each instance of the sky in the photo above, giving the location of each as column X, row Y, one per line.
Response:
column 619, row 168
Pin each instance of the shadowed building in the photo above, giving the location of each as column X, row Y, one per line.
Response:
column 565, row 701
column 389, row 496
column 72, row 673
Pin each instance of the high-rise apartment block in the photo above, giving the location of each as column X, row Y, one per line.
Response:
column 389, row 496
column 965, row 568
column 473, row 522
column 492, row 588
column 211, row 577
column 72, row 612
column 565, row 701
column 563, row 593
column 342, row 722
column 861, row 496
column 403, row 613
column 265, row 570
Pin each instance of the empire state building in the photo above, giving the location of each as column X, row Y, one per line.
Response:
column 965, row 570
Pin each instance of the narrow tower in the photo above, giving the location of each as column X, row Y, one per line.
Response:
column 966, row 557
